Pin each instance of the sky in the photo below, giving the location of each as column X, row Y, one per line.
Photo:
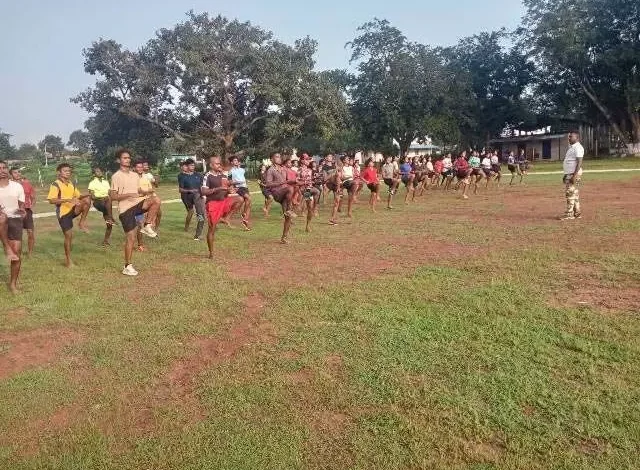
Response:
column 41, row 41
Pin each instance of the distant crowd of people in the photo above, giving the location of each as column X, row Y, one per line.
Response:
column 217, row 195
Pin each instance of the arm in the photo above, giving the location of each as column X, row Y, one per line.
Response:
column 579, row 157
column 114, row 196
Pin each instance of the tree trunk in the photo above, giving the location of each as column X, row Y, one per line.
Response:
column 586, row 87
column 227, row 146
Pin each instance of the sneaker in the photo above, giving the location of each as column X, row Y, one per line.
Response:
column 129, row 270
column 568, row 217
column 578, row 216
column 196, row 239
column 148, row 231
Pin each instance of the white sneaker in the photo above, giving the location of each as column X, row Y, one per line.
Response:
column 129, row 270
column 148, row 231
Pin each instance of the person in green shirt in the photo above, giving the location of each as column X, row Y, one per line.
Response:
column 99, row 189
column 476, row 172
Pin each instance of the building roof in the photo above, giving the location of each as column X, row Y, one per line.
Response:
column 416, row 146
column 529, row 138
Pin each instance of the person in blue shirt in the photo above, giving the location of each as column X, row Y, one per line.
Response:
column 239, row 181
column 189, row 184
column 408, row 177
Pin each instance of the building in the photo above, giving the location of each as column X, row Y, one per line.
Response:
column 536, row 147
column 417, row 149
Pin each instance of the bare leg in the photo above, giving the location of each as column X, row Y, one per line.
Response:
column 211, row 236
column 82, row 210
column 68, row 238
column 285, row 229
column 16, row 246
column 152, row 206
column 107, row 234
column 465, row 187
column 31, row 241
column 336, row 204
column 129, row 241
column 4, row 236
column 310, row 205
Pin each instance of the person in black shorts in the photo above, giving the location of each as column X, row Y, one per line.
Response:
column 12, row 213
column 189, row 184
column 99, row 190
column 282, row 190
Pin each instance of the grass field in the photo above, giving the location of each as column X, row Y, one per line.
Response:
column 446, row 334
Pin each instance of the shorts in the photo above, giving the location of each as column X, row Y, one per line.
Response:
column 373, row 187
column 216, row 210
column 476, row 172
column 405, row 180
column 14, row 228
column 462, row 174
column 388, row 182
column 66, row 221
column 101, row 206
column 310, row 193
column 242, row 191
column 512, row 168
column 266, row 193
column 431, row 174
column 447, row 173
column 27, row 222
column 189, row 200
column 140, row 219
column 523, row 167
column 487, row 172
column 332, row 187
column 279, row 194
column 496, row 168
column 128, row 217
column 349, row 185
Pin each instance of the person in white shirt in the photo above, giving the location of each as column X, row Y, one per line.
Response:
column 447, row 171
column 572, row 167
column 496, row 168
column 12, row 213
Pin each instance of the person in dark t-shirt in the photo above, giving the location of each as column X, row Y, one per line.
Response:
column 189, row 184
column 215, row 188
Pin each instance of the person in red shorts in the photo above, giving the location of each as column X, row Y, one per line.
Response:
column 282, row 189
column 216, row 188
column 372, row 180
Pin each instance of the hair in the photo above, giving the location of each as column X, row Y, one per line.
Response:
column 2, row 162
column 273, row 154
column 139, row 161
column 369, row 160
column 575, row 132
column 63, row 165
column 120, row 152
column 189, row 161
column 14, row 168
column 93, row 170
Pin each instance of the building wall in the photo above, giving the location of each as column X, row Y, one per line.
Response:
column 533, row 148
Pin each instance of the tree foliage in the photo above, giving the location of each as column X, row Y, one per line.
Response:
column 215, row 83
column 499, row 77
column 7, row 150
column 588, row 54
column 52, row 144
column 80, row 140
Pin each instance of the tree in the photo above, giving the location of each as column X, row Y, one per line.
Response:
column 7, row 151
column 52, row 144
column 591, row 48
column 211, row 81
column 401, row 87
column 28, row 152
column 499, row 77
column 80, row 140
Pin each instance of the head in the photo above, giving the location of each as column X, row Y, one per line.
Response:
column 64, row 171
column 123, row 157
column 276, row 158
column 429, row 158
column 189, row 165
column 463, row 154
column 215, row 163
column 235, row 162
column 15, row 174
column 388, row 159
column 329, row 159
column 306, row 161
column 145, row 166
column 370, row 163
column 98, row 173
column 294, row 163
column 138, row 166
column 287, row 162
column 521, row 151
column 574, row 137
column 4, row 170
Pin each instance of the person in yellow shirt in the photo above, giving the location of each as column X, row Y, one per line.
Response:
column 99, row 189
column 69, row 205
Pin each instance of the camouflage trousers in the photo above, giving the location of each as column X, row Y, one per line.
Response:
column 572, row 194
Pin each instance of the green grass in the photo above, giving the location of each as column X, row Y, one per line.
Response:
column 462, row 359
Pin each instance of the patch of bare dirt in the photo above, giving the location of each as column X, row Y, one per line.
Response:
column 593, row 447
column 582, row 288
column 23, row 350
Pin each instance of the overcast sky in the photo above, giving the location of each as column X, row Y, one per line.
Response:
column 41, row 41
